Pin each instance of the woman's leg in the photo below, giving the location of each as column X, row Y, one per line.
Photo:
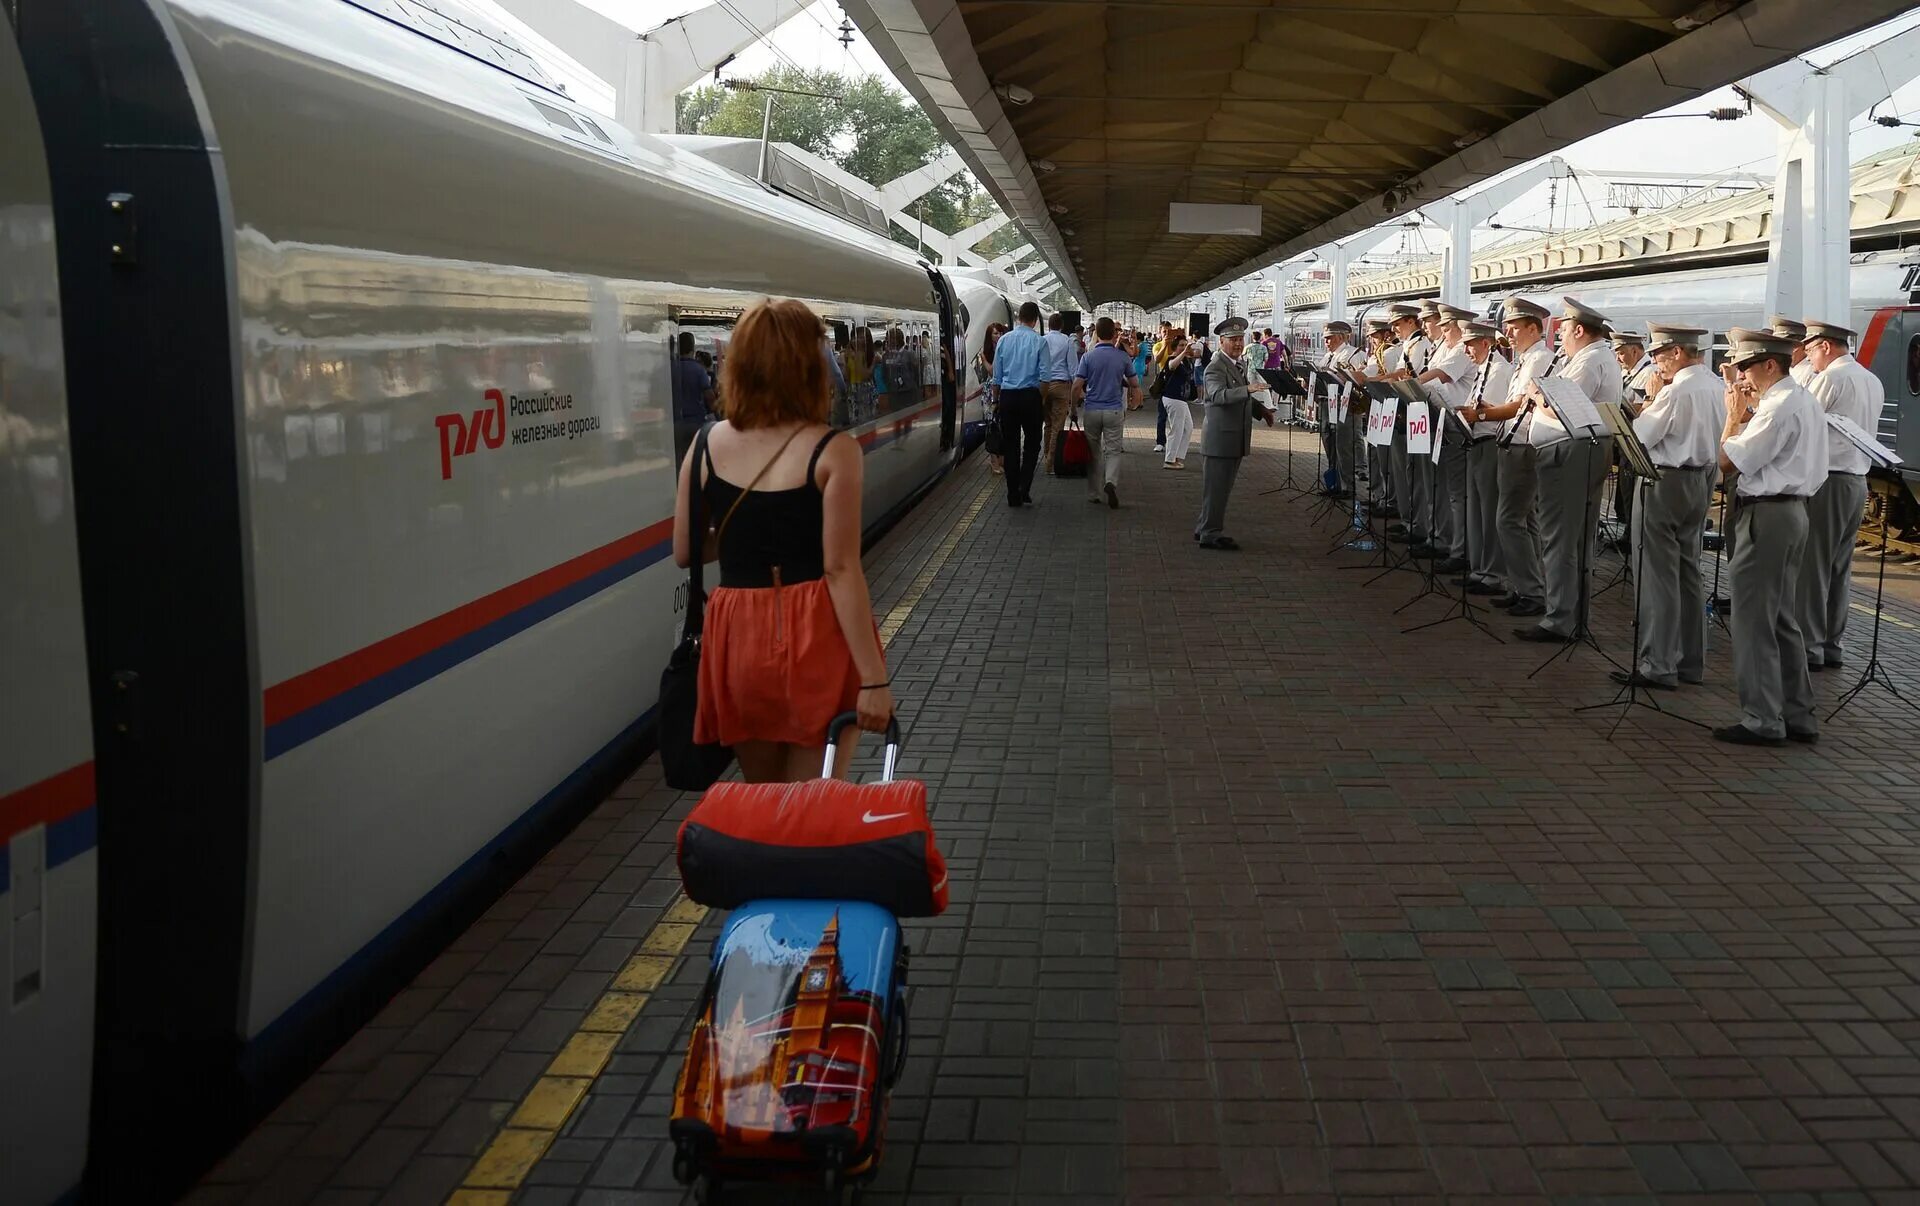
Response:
column 764, row 761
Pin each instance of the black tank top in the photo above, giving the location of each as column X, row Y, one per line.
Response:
column 771, row 530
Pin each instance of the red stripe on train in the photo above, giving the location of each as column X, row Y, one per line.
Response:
column 52, row 799
column 322, row 683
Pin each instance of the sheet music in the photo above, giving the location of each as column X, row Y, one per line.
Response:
column 1857, row 435
column 1620, row 425
column 1570, row 403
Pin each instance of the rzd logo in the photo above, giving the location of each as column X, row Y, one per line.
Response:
column 459, row 436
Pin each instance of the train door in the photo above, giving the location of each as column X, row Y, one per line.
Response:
column 49, row 869
column 952, row 352
column 1891, row 349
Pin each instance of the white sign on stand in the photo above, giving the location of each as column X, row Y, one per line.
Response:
column 1336, row 413
column 1419, row 429
column 1380, row 423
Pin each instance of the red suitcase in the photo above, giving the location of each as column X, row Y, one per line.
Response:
column 1074, row 456
column 827, row 839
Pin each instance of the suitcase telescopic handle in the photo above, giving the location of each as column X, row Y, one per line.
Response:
column 838, row 725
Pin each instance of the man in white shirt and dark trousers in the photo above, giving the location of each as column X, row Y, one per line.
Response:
column 1514, row 461
column 1447, row 380
column 1775, row 440
column 1486, row 569
column 1572, row 468
column 1681, row 428
column 1843, row 386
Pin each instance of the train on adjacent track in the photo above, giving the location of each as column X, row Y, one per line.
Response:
column 1885, row 289
column 337, row 465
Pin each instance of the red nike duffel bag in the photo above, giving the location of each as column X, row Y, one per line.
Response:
column 823, row 840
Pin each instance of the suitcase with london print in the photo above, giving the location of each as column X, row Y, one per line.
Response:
column 800, row 1034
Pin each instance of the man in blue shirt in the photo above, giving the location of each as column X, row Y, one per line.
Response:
column 692, row 396
column 1101, row 385
column 1017, row 363
column 1057, row 369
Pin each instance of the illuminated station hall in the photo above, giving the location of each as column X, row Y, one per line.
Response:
column 959, row 601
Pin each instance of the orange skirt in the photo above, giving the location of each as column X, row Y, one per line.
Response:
column 774, row 666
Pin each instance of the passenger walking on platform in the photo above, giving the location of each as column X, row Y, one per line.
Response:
column 1161, row 348
column 1228, row 436
column 692, row 396
column 1017, row 361
column 1515, row 462
column 1179, row 384
column 790, row 640
column 1057, row 369
column 1100, row 386
column 1681, row 430
column 990, row 395
column 1774, row 439
column 1843, row 386
column 1486, row 568
column 1571, row 473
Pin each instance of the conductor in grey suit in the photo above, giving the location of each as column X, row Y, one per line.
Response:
column 1229, row 431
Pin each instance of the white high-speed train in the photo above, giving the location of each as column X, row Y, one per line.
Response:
column 1885, row 310
column 336, row 479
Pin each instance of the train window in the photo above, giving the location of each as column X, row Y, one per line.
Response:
column 457, row 28
column 556, row 115
column 1913, row 366
column 593, row 129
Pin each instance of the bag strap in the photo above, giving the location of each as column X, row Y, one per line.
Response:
column 720, row 532
column 697, row 530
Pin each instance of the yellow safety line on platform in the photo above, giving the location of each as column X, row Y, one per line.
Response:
column 1864, row 610
column 543, row 1112
column 531, row 1128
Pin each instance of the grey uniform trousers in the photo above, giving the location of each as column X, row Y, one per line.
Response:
column 1413, row 483
column 1105, row 429
column 1450, row 524
column 1483, row 510
column 1216, row 484
column 1379, row 472
column 1668, row 521
column 1826, row 581
column 1519, row 520
column 1769, row 654
column 1347, row 447
column 1571, row 474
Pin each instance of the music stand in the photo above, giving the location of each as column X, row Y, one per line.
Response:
column 1633, row 459
column 1464, row 607
column 1887, row 472
column 1274, row 378
column 1410, row 391
column 1634, row 455
column 1330, row 405
column 1373, row 542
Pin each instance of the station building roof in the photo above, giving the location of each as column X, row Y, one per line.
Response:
column 1087, row 118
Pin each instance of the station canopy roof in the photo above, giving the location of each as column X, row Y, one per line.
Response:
column 1087, row 118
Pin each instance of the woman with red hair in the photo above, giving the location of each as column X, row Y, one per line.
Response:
column 789, row 639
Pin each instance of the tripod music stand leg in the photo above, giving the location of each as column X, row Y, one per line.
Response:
column 1873, row 672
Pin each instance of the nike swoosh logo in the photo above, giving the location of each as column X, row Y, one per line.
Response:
column 870, row 819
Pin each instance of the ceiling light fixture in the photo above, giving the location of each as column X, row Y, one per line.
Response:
column 1057, row 208
column 1042, row 165
column 1013, row 94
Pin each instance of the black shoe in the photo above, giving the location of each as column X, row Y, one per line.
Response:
column 1835, row 664
column 1539, row 635
column 1804, row 736
column 1477, row 587
column 1528, row 607
column 1637, row 679
column 1113, row 497
column 1740, row 734
column 1451, row 565
column 1509, row 600
column 1388, row 512
column 1224, row 544
column 1423, row 552
column 1816, row 667
column 1028, row 501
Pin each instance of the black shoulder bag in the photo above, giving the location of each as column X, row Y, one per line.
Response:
column 689, row 766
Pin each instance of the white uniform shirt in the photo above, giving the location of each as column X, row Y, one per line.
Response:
column 1597, row 374
column 1849, row 389
column 1416, row 355
column 1457, row 363
column 1530, row 367
column 1639, row 377
column 1784, row 448
column 1489, row 384
column 1392, row 359
column 1802, row 372
column 1681, row 427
